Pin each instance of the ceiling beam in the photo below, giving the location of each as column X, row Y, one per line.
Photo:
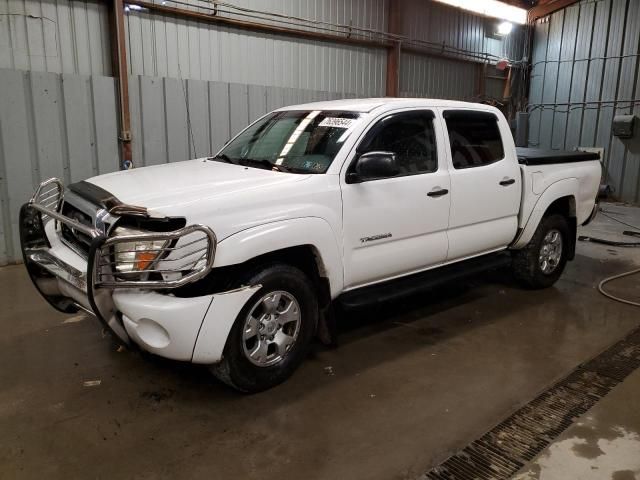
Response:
column 547, row 8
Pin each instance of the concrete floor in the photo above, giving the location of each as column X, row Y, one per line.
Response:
column 603, row 444
column 411, row 383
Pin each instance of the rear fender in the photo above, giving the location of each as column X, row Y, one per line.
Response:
column 564, row 188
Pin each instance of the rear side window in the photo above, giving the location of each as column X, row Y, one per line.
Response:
column 474, row 138
column 410, row 135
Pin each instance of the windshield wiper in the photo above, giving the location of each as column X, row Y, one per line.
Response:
column 267, row 165
column 223, row 157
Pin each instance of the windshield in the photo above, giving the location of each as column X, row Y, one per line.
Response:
column 292, row 141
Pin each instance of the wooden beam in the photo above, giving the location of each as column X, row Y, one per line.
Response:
column 394, row 12
column 259, row 27
column 547, row 8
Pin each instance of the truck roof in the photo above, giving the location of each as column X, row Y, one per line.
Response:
column 365, row 105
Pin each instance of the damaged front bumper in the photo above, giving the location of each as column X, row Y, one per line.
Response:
column 136, row 307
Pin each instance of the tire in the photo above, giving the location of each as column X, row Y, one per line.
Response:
column 285, row 291
column 528, row 264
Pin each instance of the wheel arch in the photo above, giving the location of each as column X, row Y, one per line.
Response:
column 559, row 198
column 307, row 243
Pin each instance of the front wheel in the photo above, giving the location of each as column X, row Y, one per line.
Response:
column 272, row 333
column 542, row 261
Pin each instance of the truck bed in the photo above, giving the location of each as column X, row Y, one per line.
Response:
column 536, row 156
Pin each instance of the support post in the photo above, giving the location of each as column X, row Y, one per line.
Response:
column 506, row 94
column 482, row 80
column 393, row 53
column 120, row 71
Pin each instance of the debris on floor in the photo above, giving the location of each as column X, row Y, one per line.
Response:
column 92, row 383
column 75, row 319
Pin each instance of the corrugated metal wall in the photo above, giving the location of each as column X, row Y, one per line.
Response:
column 51, row 125
column 163, row 108
column 165, row 47
column 65, row 126
column 58, row 112
column 452, row 27
column 61, row 36
column 442, row 24
column 433, row 77
column 71, row 36
column 585, row 71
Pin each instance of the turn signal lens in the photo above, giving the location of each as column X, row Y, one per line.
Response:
column 144, row 260
column 136, row 256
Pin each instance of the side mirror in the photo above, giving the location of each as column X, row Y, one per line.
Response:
column 373, row 166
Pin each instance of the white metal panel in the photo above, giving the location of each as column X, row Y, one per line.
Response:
column 160, row 45
column 60, row 36
column 433, row 77
column 51, row 125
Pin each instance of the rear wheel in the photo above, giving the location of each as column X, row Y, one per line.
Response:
column 542, row 261
column 272, row 333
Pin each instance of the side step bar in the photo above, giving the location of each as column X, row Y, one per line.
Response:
column 420, row 282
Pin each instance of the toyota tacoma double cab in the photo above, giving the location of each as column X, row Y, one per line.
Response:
column 235, row 260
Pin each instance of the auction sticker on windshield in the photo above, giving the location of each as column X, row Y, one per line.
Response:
column 336, row 122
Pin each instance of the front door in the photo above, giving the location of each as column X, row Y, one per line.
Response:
column 397, row 225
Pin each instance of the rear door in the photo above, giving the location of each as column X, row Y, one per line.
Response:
column 485, row 183
column 394, row 226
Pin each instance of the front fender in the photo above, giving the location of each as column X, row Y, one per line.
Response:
column 568, row 187
column 270, row 237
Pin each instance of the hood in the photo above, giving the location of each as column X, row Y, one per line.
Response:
column 228, row 198
column 169, row 186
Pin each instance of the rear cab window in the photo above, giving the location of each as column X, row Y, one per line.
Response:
column 474, row 138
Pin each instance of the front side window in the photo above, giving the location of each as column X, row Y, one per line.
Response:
column 292, row 141
column 410, row 136
column 474, row 138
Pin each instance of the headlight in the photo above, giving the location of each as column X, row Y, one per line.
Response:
column 138, row 255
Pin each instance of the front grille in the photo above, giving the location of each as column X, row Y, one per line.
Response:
column 76, row 240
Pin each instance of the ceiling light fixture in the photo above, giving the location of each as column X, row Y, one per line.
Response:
column 505, row 28
column 491, row 8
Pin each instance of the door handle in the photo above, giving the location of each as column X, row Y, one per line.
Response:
column 438, row 193
column 507, row 182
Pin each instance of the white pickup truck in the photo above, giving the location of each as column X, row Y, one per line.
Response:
column 236, row 260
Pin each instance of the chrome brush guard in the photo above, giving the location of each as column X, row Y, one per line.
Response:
column 70, row 280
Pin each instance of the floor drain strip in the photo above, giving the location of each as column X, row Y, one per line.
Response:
column 507, row 447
